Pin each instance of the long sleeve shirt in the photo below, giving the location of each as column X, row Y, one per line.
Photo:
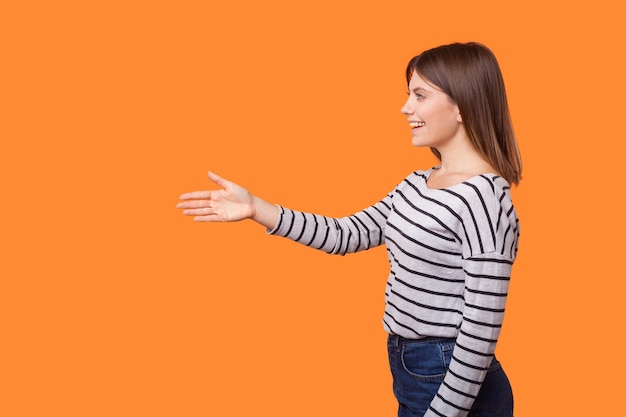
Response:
column 450, row 252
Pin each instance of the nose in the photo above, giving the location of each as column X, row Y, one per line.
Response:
column 407, row 109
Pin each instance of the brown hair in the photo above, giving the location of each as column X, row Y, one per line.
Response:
column 469, row 74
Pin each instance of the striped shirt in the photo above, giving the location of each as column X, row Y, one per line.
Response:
column 450, row 252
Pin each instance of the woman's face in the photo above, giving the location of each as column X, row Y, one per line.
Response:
column 433, row 117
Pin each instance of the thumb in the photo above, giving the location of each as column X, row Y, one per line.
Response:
column 219, row 180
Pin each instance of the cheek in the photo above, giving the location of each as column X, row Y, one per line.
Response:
column 445, row 124
column 448, row 115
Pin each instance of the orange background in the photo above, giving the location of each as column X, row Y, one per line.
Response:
column 114, row 304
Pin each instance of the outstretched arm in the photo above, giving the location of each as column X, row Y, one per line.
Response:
column 229, row 204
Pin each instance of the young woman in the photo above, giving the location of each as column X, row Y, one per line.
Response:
column 451, row 234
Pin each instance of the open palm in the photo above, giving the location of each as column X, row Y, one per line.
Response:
column 228, row 204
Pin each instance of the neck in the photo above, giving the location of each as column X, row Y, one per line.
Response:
column 462, row 157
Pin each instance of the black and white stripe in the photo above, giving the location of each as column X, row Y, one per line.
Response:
column 450, row 252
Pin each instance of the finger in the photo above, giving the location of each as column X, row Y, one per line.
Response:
column 204, row 211
column 195, row 195
column 219, row 180
column 194, row 204
column 207, row 218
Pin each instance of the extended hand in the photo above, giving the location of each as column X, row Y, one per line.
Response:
column 229, row 204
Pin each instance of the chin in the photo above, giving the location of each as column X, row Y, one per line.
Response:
column 419, row 144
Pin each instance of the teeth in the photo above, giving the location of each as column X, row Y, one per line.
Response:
column 416, row 124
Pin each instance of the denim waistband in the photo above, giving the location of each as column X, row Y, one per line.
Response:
column 397, row 340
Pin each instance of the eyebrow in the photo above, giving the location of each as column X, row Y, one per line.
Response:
column 416, row 89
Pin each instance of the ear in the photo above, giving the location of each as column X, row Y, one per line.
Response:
column 458, row 114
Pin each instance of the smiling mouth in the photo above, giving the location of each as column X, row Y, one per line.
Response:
column 416, row 124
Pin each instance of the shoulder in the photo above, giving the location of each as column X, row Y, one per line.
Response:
column 413, row 187
column 489, row 214
column 417, row 177
column 482, row 188
column 490, row 192
column 420, row 174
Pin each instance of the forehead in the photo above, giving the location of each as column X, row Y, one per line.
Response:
column 417, row 82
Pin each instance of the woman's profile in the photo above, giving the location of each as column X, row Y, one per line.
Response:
column 451, row 234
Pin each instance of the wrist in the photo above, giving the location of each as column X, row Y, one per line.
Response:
column 264, row 213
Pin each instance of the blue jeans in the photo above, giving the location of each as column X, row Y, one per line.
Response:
column 418, row 368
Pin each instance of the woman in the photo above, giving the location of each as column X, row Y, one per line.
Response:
column 451, row 234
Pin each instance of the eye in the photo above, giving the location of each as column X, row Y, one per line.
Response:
column 418, row 96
